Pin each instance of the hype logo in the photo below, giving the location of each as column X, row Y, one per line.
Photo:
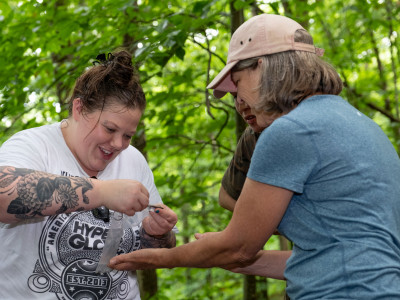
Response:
column 69, row 249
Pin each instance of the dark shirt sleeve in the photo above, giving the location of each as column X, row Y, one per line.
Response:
column 236, row 173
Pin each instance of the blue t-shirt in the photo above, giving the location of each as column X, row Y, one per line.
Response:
column 344, row 217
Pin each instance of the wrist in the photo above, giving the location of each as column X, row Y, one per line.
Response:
column 98, row 191
column 166, row 240
column 143, row 232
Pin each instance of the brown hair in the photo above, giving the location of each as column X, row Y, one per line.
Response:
column 291, row 76
column 112, row 80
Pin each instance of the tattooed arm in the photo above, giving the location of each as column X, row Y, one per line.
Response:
column 27, row 194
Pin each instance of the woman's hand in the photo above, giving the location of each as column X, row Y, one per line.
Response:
column 123, row 195
column 160, row 221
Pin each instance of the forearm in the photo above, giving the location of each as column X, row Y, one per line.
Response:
column 268, row 263
column 204, row 253
column 252, row 223
column 167, row 240
column 27, row 194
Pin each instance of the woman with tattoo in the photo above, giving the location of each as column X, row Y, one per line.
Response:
column 57, row 230
column 322, row 172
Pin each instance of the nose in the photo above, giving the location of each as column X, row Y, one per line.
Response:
column 117, row 142
column 239, row 100
column 241, row 105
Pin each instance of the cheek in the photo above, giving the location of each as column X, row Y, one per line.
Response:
column 240, row 107
column 126, row 144
column 252, row 101
column 97, row 136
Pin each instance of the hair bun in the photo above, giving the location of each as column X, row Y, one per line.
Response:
column 112, row 79
column 120, row 69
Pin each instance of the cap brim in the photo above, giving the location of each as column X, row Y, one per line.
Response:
column 223, row 83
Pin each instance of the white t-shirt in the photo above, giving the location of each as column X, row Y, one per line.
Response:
column 55, row 257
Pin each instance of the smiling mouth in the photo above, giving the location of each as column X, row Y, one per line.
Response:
column 106, row 152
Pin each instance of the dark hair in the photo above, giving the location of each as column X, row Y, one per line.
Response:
column 112, row 80
column 291, row 76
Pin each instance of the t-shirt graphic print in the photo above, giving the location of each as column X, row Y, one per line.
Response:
column 69, row 248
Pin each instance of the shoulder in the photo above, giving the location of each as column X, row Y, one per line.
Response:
column 133, row 157
column 41, row 131
column 37, row 135
column 133, row 154
column 313, row 114
column 32, row 148
column 318, row 106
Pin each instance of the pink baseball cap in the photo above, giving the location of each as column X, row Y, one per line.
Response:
column 260, row 35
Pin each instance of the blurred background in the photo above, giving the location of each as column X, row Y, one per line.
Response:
column 188, row 136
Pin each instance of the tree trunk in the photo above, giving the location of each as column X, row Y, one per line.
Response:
column 236, row 20
column 184, row 221
column 147, row 279
column 147, row 283
column 249, row 287
column 249, row 281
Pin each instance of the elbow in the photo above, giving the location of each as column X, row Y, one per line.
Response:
column 222, row 203
column 9, row 221
column 225, row 200
column 245, row 258
column 237, row 251
column 6, row 218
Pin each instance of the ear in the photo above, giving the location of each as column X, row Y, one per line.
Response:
column 77, row 108
column 259, row 62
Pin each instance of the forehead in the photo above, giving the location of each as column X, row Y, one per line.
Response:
column 247, row 76
column 125, row 119
column 246, row 80
column 116, row 107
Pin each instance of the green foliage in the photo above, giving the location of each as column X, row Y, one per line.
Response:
column 179, row 46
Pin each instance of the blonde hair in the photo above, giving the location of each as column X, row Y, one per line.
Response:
column 289, row 77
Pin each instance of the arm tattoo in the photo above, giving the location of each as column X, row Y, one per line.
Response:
column 167, row 240
column 37, row 191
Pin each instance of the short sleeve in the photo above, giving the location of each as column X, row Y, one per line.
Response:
column 20, row 151
column 285, row 155
column 148, row 182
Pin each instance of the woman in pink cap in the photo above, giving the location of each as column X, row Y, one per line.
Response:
column 322, row 172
